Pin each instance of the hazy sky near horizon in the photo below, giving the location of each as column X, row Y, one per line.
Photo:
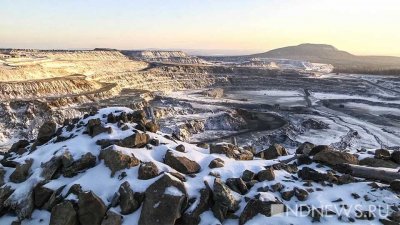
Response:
column 366, row 27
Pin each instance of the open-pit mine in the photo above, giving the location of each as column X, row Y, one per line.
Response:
column 172, row 138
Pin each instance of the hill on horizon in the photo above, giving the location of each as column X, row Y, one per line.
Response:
column 342, row 61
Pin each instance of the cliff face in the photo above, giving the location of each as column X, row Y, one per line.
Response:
column 32, row 65
column 176, row 57
column 57, row 82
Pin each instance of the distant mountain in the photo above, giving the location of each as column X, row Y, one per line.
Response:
column 341, row 60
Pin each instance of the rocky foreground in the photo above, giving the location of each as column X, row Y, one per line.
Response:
column 114, row 167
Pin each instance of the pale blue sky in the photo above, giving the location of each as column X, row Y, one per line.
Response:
column 359, row 26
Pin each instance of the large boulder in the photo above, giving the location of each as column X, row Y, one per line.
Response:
column 2, row 174
column 307, row 173
column 152, row 127
column 181, row 164
column 305, row 148
column 266, row 175
column 192, row 215
column 237, row 185
column 5, row 192
column 91, row 209
column 137, row 140
column 382, row 154
column 117, row 160
column 164, row 202
column 223, row 148
column 374, row 162
column 64, row 214
column 225, row 202
column 94, row 127
column 50, row 167
column 318, row 149
column 21, row 172
column 41, row 195
column 256, row 206
column 216, row 163
column 46, row 132
column 23, row 206
column 273, row 152
column 395, row 157
column 112, row 218
column 333, row 157
column 128, row 203
column 395, row 185
column 85, row 162
column 19, row 147
column 147, row 170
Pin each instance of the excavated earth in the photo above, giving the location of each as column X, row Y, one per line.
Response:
column 256, row 105
column 293, row 142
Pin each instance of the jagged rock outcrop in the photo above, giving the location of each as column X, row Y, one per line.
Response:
column 91, row 209
column 181, row 163
column 116, row 160
column 333, row 157
column 66, row 179
column 164, row 202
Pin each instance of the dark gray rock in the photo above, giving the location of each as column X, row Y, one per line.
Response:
column 305, row 148
column 116, row 160
column 147, row 170
column 137, row 140
column 248, row 175
column 307, row 173
column 266, row 175
column 64, row 214
column 91, row 209
column 181, row 164
column 204, row 202
column 374, row 162
column 41, row 195
column 395, row 185
column 304, row 160
column 23, row 207
column 112, row 218
column 273, row 152
column 333, row 157
column 255, row 207
column 94, row 128
column 2, row 174
column 5, row 192
column 301, row 194
column 87, row 161
column 50, row 168
column 382, row 154
column 21, row 172
column 152, row 127
column 19, row 147
column 395, row 157
column 128, row 203
column 216, row 163
column 237, row 185
column 225, row 149
column 164, row 202
column 287, row 195
column 319, row 148
column 224, row 202
column 46, row 132
column 180, row 148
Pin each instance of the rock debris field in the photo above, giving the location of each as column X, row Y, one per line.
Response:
column 113, row 166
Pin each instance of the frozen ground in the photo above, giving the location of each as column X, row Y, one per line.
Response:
column 329, row 197
column 366, row 116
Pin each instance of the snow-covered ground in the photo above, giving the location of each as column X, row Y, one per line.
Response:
column 98, row 179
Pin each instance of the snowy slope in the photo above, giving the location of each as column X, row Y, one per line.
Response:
column 98, row 179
